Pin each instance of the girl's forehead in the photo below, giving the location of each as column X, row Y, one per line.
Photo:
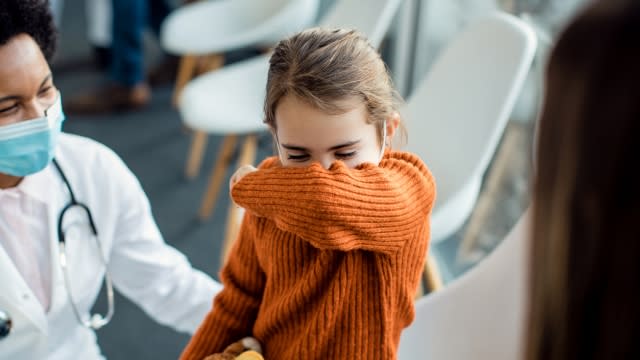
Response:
column 318, row 131
column 293, row 112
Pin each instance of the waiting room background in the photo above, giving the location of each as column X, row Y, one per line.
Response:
column 154, row 145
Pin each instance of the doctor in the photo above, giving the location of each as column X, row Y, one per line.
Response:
column 72, row 217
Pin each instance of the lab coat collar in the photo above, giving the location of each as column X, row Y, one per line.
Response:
column 38, row 185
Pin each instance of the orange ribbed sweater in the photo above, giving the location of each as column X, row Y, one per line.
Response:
column 327, row 261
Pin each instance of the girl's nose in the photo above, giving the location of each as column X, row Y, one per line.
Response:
column 326, row 162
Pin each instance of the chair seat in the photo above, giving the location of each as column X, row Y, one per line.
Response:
column 223, row 25
column 452, row 209
column 480, row 315
column 229, row 101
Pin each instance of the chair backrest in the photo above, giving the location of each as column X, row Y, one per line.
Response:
column 220, row 25
column 479, row 315
column 294, row 16
column 457, row 114
column 372, row 17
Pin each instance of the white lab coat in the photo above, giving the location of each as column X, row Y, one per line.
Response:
column 146, row 270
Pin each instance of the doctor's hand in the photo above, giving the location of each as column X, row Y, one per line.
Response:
column 239, row 174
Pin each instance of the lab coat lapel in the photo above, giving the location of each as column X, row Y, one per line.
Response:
column 16, row 292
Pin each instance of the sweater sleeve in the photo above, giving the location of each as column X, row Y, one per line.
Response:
column 236, row 306
column 373, row 208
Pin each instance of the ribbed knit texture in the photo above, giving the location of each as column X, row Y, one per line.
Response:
column 327, row 262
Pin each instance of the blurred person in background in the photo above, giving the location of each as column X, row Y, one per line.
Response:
column 127, row 87
column 99, row 34
column 98, row 18
column 72, row 217
column 585, row 271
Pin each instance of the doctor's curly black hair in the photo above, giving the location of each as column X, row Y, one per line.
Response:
column 31, row 17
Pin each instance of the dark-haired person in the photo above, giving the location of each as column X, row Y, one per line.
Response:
column 585, row 262
column 71, row 216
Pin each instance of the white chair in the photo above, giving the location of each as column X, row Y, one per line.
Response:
column 208, row 28
column 215, row 26
column 229, row 101
column 456, row 116
column 481, row 314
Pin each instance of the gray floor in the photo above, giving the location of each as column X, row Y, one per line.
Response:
column 154, row 146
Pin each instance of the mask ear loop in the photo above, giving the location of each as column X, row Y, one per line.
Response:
column 54, row 113
column 275, row 136
column 384, row 140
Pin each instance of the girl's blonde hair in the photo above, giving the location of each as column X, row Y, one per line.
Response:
column 324, row 67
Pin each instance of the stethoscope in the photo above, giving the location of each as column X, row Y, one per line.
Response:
column 5, row 324
column 95, row 321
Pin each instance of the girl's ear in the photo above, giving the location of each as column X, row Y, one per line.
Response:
column 393, row 122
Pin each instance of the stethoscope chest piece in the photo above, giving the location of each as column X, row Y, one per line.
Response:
column 5, row 324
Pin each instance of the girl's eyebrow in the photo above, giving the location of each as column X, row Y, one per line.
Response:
column 293, row 147
column 336, row 147
column 347, row 144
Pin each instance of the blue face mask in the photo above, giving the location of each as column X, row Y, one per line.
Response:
column 28, row 146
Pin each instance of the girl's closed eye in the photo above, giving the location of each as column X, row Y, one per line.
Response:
column 298, row 157
column 345, row 155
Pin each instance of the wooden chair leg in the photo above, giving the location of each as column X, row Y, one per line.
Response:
column 433, row 279
column 192, row 66
column 231, row 230
column 194, row 161
column 420, row 292
column 186, row 70
column 247, row 157
column 217, row 174
column 210, row 63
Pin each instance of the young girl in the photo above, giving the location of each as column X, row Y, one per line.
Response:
column 333, row 243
